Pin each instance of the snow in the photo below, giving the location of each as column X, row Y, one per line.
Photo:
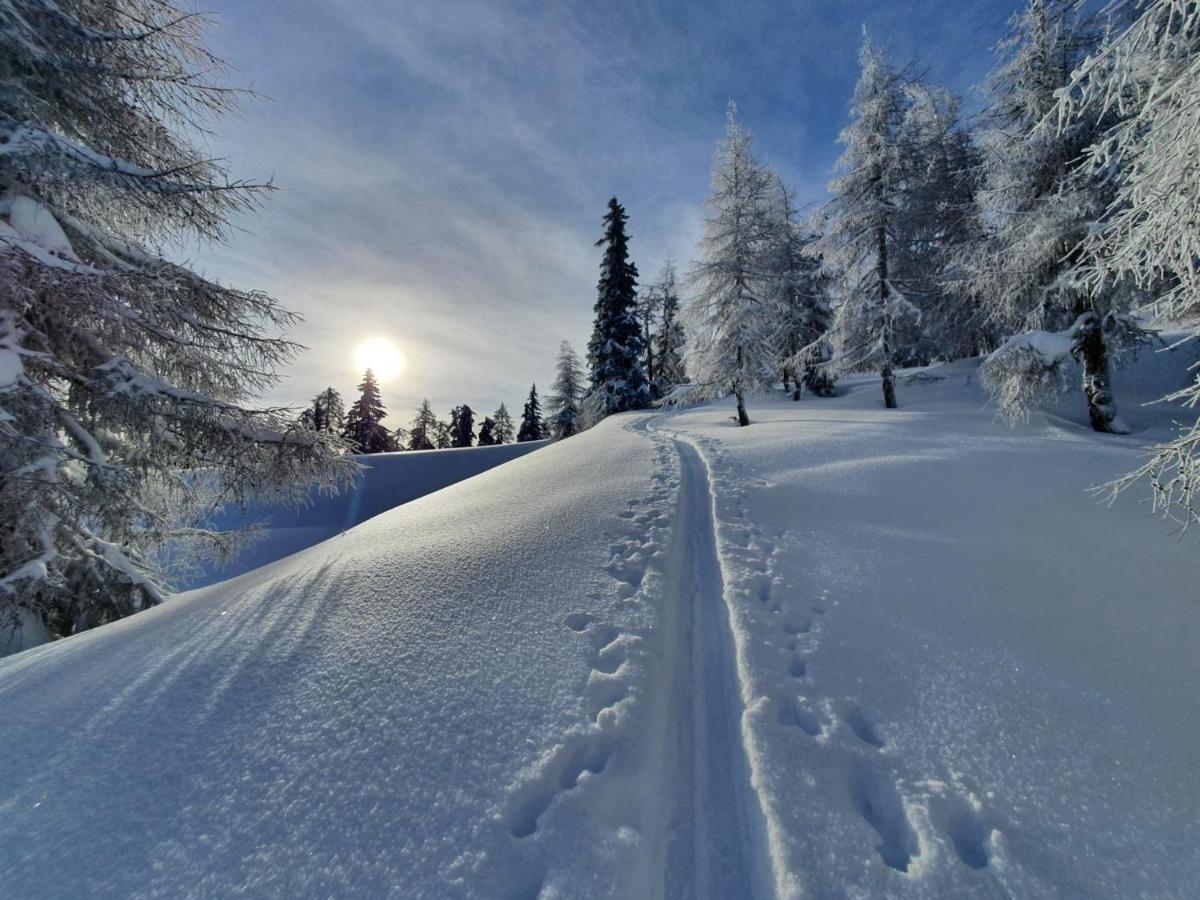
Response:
column 842, row 652
column 386, row 481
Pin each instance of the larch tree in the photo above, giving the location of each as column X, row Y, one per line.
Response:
column 122, row 374
column 1040, row 202
column 798, row 291
column 860, row 225
column 503, row 428
column 669, row 339
column 563, row 404
column 532, row 427
column 615, row 351
column 363, row 429
column 1145, row 83
column 326, row 413
column 728, row 317
column 423, row 432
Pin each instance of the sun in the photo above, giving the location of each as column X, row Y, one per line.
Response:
column 381, row 356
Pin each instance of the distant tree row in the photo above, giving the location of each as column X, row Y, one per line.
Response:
column 362, row 430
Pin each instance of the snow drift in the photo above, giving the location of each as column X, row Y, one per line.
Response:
column 844, row 652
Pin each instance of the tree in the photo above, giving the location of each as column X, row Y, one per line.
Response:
column 423, row 432
column 443, row 436
column 462, row 426
column 326, row 414
column 1145, row 89
column 616, row 348
column 798, row 291
column 532, row 427
column 487, row 436
column 1040, row 203
column 669, row 340
column 124, row 374
column 649, row 311
column 503, row 426
column 364, row 430
column 729, row 320
column 567, row 393
column 860, row 225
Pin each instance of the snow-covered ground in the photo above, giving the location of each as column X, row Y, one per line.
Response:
column 386, row 481
column 844, row 652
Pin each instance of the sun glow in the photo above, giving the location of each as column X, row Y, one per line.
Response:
column 381, row 356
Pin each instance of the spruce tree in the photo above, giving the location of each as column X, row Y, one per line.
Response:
column 532, row 427
column 502, row 428
column 124, row 371
column 729, row 315
column 364, row 429
column 462, row 427
column 861, row 226
column 487, row 436
column 615, row 350
column 670, row 370
column 567, row 392
column 423, row 432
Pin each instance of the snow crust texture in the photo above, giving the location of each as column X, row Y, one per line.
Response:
column 845, row 652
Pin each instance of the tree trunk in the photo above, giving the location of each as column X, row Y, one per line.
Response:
column 1097, row 387
column 742, row 418
column 889, row 388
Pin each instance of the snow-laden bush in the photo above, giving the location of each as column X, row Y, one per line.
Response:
column 126, row 380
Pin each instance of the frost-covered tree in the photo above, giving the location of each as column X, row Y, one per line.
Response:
column 861, row 225
column 566, row 395
column 503, row 429
column 462, row 426
column 729, row 317
column 669, row 339
column 798, row 291
column 532, row 426
column 615, row 350
column 938, row 226
column 364, row 430
column 422, row 434
column 443, row 435
column 1039, row 203
column 487, row 437
column 1145, row 88
column 326, row 413
column 123, row 376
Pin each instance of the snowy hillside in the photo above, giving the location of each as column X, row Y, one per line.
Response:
column 386, row 481
column 843, row 652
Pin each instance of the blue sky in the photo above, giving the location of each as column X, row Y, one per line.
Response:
column 444, row 166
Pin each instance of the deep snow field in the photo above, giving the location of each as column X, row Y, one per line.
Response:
column 843, row 652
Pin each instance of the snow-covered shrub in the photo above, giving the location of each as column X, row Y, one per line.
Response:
column 1026, row 371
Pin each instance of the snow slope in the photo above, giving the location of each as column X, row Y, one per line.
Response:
column 844, row 652
column 387, row 480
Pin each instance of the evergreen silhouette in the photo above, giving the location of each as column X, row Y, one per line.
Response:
column 487, row 437
column 364, row 430
column 502, row 426
column 532, row 427
column 423, row 431
column 462, row 426
column 616, row 349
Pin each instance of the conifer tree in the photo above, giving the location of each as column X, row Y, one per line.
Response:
column 567, row 393
column 124, row 373
column 487, row 436
column 669, row 339
column 1040, row 202
column 462, row 426
column 364, row 429
column 326, row 413
column 532, row 427
column 502, row 428
column 729, row 315
column 860, row 230
column 616, row 349
column 799, row 292
column 423, row 432
column 1145, row 89
column 443, row 436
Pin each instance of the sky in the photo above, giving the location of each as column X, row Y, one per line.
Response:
column 442, row 166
